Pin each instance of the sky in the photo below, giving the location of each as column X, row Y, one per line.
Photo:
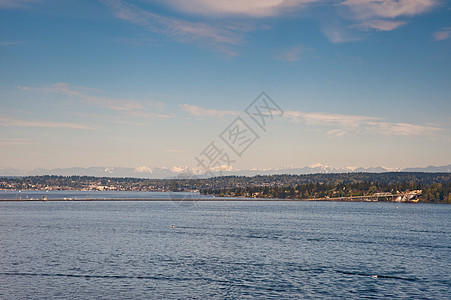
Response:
column 178, row 83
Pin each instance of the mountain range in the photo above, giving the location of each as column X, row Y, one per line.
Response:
column 160, row 173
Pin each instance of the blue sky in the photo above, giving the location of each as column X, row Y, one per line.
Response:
column 153, row 83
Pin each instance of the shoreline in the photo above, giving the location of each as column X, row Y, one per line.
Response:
column 231, row 199
column 195, row 197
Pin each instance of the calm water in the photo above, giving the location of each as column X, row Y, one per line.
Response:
column 88, row 195
column 127, row 250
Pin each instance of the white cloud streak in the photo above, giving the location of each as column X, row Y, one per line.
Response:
column 16, row 142
column 132, row 123
column 381, row 14
column 130, row 108
column 381, row 25
column 341, row 125
column 66, row 89
column 337, row 35
column 335, row 125
column 443, row 34
column 205, row 112
column 320, row 118
column 152, row 115
column 402, row 129
column 291, row 55
column 14, row 122
column 253, row 8
column 368, row 9
column 9, row 43
column 133, row 108
column 185, row 31
column 15, row 3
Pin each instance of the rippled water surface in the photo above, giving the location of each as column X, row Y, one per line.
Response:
column 128, row 250
column 96, row 195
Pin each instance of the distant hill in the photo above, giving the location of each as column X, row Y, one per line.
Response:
column 429, row 187
column 434, row 169
column 160, row 173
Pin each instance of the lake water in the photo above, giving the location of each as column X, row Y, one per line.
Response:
column 217, row 250
column 100, row 195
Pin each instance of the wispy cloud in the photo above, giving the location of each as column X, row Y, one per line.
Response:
column 381, row 14
column 15, row 3
column 132, row 123
column 403, row 129
column 381, row 25
column 253, row 8
column 221, row 38
column 66, row 89
column 336, row 34
column 10, row 43
column 129, row 108
column 320, row 118
column 368, row 9
column 16, row 142
column 340, row 125
column 143, row 114
column 290, row 55
column 7, row 121
column 205, row 112
column 443, row 34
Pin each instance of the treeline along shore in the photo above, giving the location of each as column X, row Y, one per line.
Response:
column 426, row 187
